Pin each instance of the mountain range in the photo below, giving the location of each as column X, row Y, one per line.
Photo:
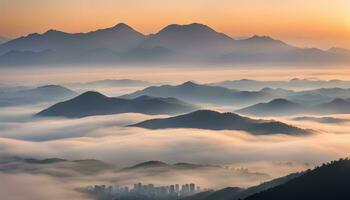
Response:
column 53, row 166
column 107, row 83
column 93, row 103
column 199, row 93
column 211, row 120
column 280, row 107
column 174, row 44
column 46, row 93
column 3, row 40
column 292, row 84
column 202, row 93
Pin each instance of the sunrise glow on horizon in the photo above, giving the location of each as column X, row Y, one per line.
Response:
column 313, row 23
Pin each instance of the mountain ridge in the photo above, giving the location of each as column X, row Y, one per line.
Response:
column 92, row 103
column 212, row 120
column 188, row 43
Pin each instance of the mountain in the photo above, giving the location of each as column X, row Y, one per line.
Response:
column 234, row 193
column 190, row 39
column 117, row 38
column 197, row 93
column 206, row 119
column 279, row 107
column 334, row 92
column 47, row 93
column 162, row 166
column 293, row 84
column 94, row 103
column 215, row 175
column 274, row 107
column 56, row 47
column 53, row 166
column 175, row 44
column 3, row 40
column 337, row 106
column 113, row 83
column 327, row 120
column 326, row 182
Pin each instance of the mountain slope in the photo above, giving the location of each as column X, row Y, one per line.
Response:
column 53, row 166
column 47, row 93
column 94, row 103
column 194, row 38
column 240, row 193
column 329, row 181
column 197, row 93
column 174, row 44
column 206, row 119
column 274, row 107
column 337, row 106
column 279, row 107
column 118, row 38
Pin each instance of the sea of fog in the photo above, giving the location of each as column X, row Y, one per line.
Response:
column 107, row 138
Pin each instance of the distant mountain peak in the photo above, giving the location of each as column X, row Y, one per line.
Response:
column 339, row 101
column 52, row 32
column 188, row 27
column 280, row 101
column 189, row 84
column 261, row 38
column 152, row 163
column 212, row 120
column 123, row 26
column 91, row 95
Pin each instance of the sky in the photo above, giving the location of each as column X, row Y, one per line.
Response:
column 311, row 23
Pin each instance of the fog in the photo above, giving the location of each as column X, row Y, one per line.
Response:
column 30, row 187
column 107, row 138
column 164, row 74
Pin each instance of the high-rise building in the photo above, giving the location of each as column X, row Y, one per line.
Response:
column 177, row 188
column 172, row 189
column 192, row 188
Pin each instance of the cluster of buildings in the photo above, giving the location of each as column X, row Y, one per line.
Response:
column 142, row 191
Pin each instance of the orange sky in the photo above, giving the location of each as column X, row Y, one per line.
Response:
column 319, row 23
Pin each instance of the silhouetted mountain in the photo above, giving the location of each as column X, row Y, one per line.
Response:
column 3, row 40
column 19, row 57
column 94, row 103
column 192, row 92
column 118, row 38
column 148, row 164
column 161, row 170
column 174, row 44
column 284, row 107
column 47, row 93
column 295, row 83
column 330, row 181
column 158, row 164
column 329, row 92
column 192, row 38
column 328, row 120
column 113, row 83
column 53, row 166
column 274, row 107
column 206, row 119
column 337, row 106
column 240, row 193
